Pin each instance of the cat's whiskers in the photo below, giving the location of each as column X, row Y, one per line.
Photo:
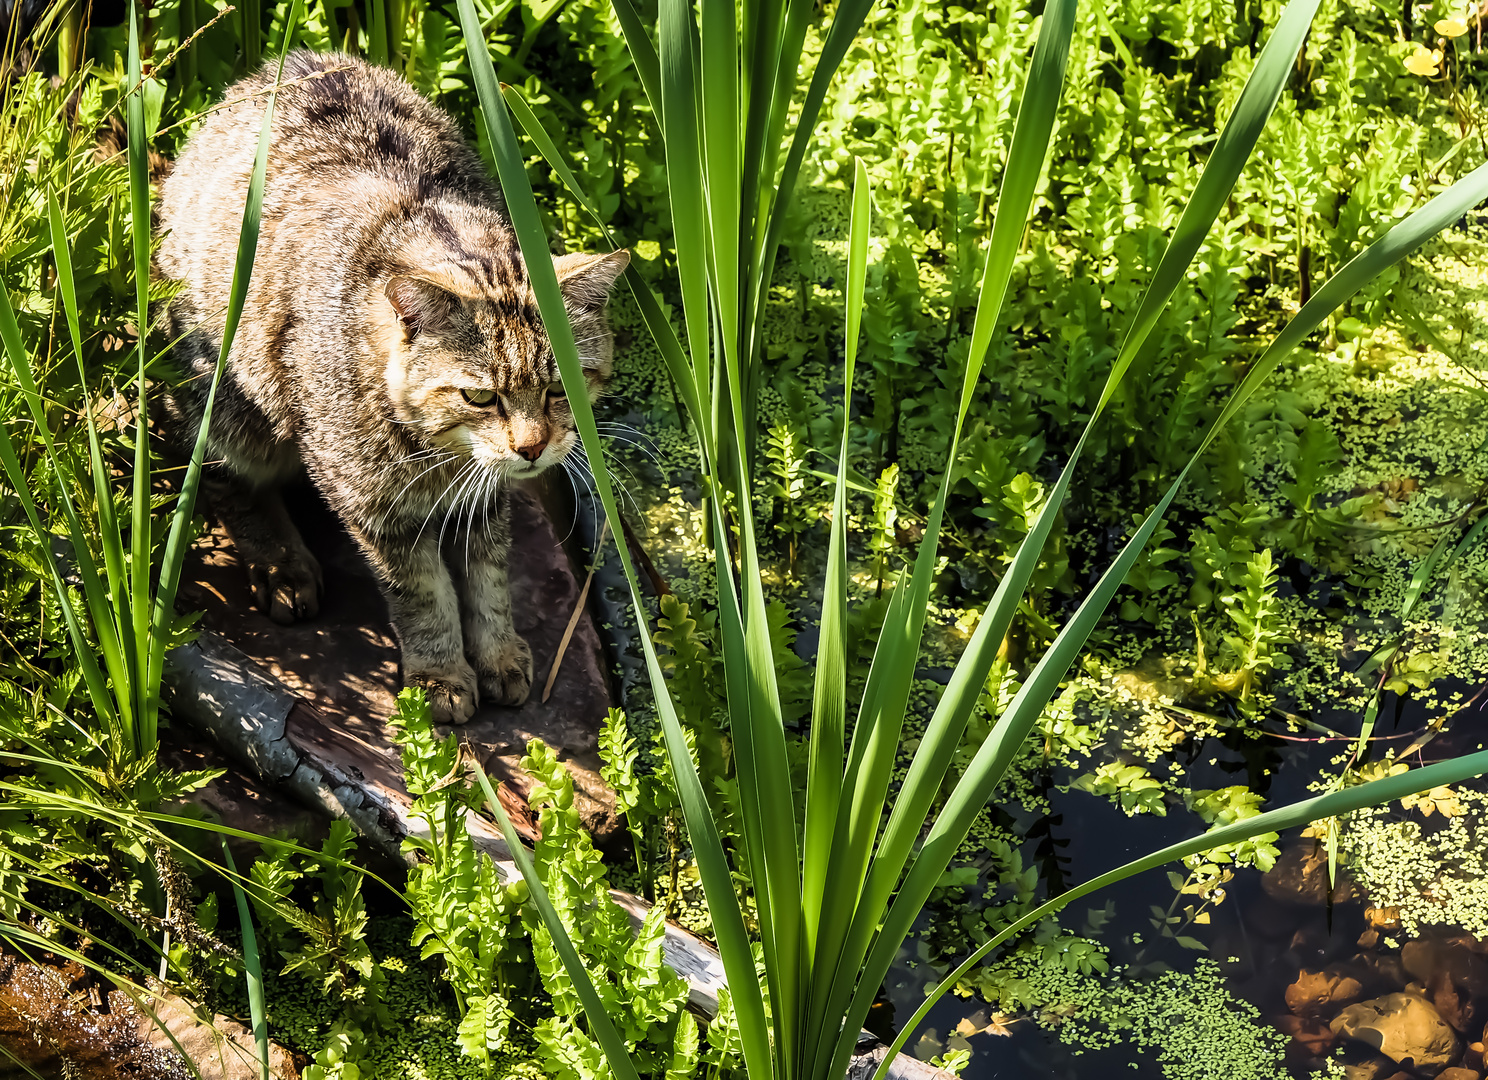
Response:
column 422, row 455
column 459, row 475
column 399, row 497
column 457, row 506
column 469, row 502
column 615, row 433
column 584, row 462
column 490, row 483
column 574, row 483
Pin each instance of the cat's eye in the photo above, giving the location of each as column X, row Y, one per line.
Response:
column 555, row 393
column 478, row 398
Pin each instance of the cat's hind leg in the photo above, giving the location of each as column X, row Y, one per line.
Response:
column 284, row 576
column 241, row 489
column 478, row 558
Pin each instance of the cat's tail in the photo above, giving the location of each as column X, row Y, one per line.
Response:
column 113, row 141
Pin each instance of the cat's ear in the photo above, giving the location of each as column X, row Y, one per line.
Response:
column 586, row 280
column 422, row 307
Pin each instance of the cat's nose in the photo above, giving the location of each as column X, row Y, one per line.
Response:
column 532, row 451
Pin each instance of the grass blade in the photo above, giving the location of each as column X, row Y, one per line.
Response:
column 713, row 866
column 642, row 54
column 179, row 539
column 875, row 738
column 252, row 969
column 98, row 691
column 600, row 1023
column 110, row 539
column 143, row 735
column 684, row 165
column 846, row 22
column 829, row 702
column 1231, row 152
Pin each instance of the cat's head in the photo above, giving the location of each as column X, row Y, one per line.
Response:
column 470, row 368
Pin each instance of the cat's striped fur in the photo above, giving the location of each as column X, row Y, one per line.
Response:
column 390, row 345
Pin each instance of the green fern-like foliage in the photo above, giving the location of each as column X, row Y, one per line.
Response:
column 464, row 912
column 645, row 998
column 1261, row 632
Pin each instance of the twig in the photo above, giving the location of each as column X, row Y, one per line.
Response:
column 573, row 620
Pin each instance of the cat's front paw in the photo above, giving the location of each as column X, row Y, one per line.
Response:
column 451, row 690
column 506, row 673
column 288, row 588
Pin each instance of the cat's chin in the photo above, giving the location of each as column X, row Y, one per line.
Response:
column 529, row 469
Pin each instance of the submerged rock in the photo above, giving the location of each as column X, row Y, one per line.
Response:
column 1300, row 877
column 1314, row 993
column 1404, row 1027
column 1311, row 1036
column 1377, row 1068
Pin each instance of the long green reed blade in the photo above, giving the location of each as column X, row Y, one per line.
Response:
column 532, row 127
column 719, row 125
column 875, row 740
column 252, row 969
column 662, row 332
column 889, row 682
column 1002, row 744
column 705, row 83
column 377, row 32
column 111, row 540
column 139, row 535
column 1335, row 804
column 761, row 52
column 1231, row 152
column 112, row 639
column 829, row 701
column 761, row 757
column 846, row 22
column 766, row 800
column 600, row 1024
column 642, row 54
column 798, row 19
column 98, row 690
column 685, row 172
column 178, row 542
column 713, row 865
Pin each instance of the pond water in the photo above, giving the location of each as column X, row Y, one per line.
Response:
column 1264, row 935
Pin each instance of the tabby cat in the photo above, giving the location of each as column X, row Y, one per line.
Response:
column 390, row 346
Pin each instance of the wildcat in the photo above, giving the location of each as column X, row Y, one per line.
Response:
column 390, row 347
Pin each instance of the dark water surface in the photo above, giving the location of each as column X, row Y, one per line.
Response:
column 1259, row 942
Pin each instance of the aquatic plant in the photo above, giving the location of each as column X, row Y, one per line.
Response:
column 1427, row 859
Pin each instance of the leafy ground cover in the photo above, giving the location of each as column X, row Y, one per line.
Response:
column 1322, row 567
